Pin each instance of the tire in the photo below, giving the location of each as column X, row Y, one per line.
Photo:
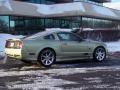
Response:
column 99, row 54
column 47, row 57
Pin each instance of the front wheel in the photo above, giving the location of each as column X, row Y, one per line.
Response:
column 47, row 57
column 99, row 54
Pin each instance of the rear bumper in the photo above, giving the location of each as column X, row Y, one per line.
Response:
column 14, row 56
column 10, row 58
column 13, row 53
column 18, row 57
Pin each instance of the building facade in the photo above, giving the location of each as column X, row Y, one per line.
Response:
column 63, row 1
column 31, row 16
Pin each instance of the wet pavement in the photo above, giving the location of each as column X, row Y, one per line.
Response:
column 72, row 75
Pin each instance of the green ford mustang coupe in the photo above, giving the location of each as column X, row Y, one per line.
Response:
column 48, row 47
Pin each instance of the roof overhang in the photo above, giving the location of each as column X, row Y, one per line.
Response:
column 57, row 10
column 99, row 1
column 64, row 1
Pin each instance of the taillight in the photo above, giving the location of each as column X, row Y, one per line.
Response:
column 18, row 44
column 9, row 44
column 13, row 44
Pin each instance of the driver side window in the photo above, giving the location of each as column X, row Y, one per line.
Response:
column 65, row 36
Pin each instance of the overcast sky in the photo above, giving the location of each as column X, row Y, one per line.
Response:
column 115, row 0
column 114, row 4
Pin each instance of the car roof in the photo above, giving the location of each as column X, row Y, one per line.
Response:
column 43, row 33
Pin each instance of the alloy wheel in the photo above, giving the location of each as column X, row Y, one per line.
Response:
column 99, row 54
column 47, row 57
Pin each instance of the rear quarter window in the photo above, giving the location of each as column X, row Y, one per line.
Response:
column 49, row 37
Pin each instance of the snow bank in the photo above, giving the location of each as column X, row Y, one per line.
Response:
column 113, row 46
column 58, row 29
column 3, row 38
column 88, row 29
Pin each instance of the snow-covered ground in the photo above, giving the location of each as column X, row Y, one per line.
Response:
column 113, row 46
column 44, row 79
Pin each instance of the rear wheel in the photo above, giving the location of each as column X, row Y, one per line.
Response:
column 99, row 54
column 47, row 57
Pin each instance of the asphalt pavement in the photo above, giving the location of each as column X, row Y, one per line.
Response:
column 70, row 75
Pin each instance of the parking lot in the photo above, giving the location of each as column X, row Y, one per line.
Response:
column 73, row 75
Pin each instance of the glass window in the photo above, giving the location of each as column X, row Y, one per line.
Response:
column 99, row 24
column 30, row 25
column 4, row 24
column 40, row 1
column 65, row 36
column 49, row 37
column 26, row 25
column 49, row 23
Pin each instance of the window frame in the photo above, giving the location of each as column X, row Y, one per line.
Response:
column 50, row 38
column 78, row 37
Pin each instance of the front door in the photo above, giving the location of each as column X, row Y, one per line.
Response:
column 72, row 46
